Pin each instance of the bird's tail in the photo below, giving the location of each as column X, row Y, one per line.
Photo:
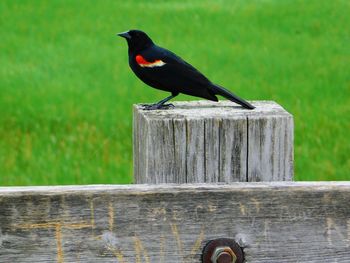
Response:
column 218, row 90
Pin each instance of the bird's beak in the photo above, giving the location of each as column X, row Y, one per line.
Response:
column 124, row 35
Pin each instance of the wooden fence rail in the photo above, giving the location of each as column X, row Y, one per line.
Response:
column 273, row 222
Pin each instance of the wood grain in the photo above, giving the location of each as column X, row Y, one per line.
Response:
column 273, row 222
column 203, row 141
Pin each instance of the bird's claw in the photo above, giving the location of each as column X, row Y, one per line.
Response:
column 157, row 106
column 168, row 106
column 150, row 107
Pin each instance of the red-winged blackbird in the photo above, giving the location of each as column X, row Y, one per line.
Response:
column 162, row 69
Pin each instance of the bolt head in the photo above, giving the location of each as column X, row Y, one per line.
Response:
column 222, row 250
column 223, row 254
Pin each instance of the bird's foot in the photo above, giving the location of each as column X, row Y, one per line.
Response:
column 167, row 106
column 157, row 106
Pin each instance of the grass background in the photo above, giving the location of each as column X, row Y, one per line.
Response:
column 66, row 90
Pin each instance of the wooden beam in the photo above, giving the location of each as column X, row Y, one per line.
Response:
column 203, row 141
column 273, row 222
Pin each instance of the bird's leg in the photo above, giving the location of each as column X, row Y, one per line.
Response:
column 161, row 104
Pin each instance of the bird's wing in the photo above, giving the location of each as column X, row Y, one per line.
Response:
column 170, row 61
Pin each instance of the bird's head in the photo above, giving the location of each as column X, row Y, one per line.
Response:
column 137, row 40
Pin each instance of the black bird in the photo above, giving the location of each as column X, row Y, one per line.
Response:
column 162, row 69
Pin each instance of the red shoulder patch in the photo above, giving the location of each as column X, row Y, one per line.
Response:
column 141, row 61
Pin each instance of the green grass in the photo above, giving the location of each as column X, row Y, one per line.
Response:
column 66, row 90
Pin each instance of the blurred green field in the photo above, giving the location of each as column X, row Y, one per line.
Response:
column 66, row 90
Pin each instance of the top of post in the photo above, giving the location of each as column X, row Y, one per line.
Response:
column 222, row 109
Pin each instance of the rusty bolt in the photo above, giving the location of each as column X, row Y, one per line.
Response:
column 223, row 255
column 222, row 250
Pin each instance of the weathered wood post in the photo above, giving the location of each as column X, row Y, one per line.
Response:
column 203, row 141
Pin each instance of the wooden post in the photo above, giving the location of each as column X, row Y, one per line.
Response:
column 203, row 141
